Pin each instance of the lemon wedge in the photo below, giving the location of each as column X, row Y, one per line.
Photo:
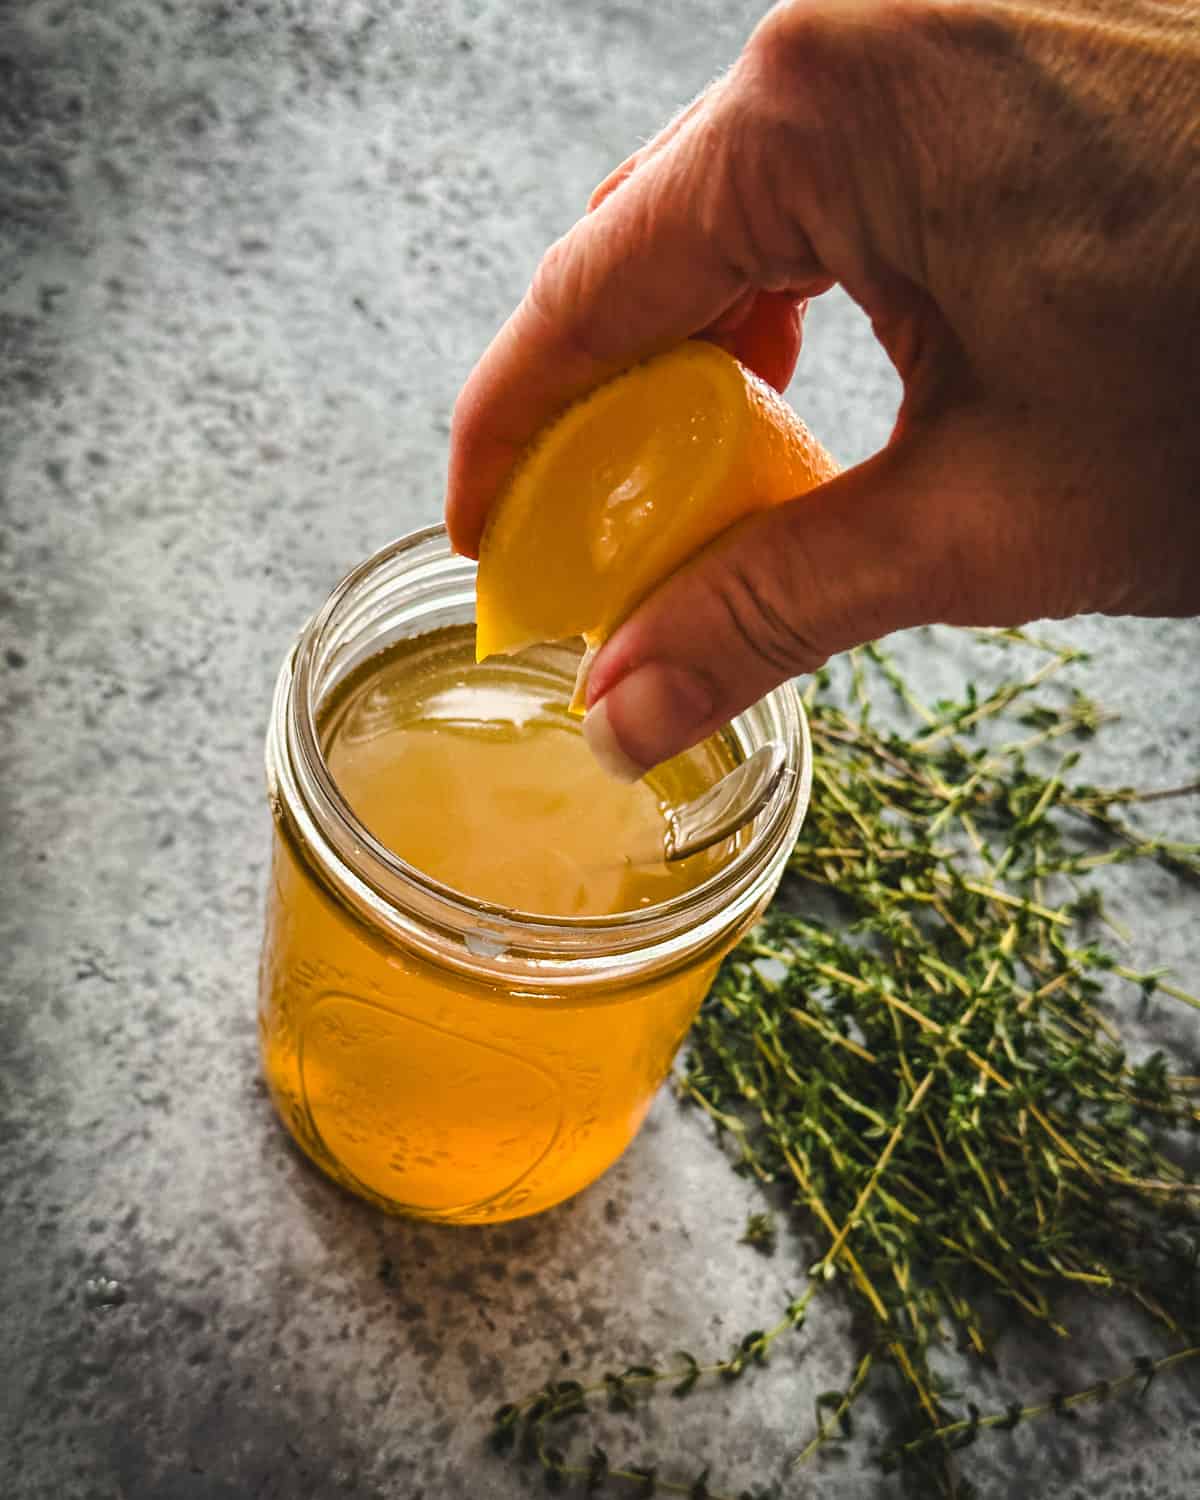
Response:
column 627, row 484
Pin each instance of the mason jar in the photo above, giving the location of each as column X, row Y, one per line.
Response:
column 446, row 1057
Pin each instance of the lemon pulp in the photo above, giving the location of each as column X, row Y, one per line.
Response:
column 627, row 484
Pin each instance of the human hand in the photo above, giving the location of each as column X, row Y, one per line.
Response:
column 1010, row 193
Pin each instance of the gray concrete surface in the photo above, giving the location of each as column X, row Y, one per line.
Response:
column 247, row 252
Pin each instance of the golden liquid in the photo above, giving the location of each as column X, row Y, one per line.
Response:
column 422, row 1089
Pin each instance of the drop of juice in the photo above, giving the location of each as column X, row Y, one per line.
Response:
column 104, row 1292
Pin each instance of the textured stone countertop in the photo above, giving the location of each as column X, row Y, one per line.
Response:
column 247, row 253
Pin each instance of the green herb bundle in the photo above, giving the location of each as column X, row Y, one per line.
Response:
column 913, row 1048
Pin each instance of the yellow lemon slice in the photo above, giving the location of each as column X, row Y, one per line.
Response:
column 626, row 485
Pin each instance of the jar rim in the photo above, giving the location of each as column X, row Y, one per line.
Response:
column 301, row 783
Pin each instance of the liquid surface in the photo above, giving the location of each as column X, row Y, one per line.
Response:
column 478, row 776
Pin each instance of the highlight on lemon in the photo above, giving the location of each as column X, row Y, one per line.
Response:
column 625, row 486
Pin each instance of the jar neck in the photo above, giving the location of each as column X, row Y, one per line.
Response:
column 410, row 588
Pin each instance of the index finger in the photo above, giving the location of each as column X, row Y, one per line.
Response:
column 624, row 170
column 647, row 269
column 633, row 276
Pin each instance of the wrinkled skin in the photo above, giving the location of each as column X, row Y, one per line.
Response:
column 1012, row 194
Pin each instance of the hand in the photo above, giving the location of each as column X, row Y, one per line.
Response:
column 1010, row 192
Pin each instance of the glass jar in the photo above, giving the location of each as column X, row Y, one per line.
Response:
column 444, row 1057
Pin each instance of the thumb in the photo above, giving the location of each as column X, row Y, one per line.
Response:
column 878, row 548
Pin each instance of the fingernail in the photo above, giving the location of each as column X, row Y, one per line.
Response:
column 647, row 717
column 603, row 743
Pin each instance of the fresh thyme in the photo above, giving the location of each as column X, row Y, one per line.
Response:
column 761, row 1233
column 927, row 1071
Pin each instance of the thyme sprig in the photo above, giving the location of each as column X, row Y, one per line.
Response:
column 523, row 1428
column 917, row 1048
